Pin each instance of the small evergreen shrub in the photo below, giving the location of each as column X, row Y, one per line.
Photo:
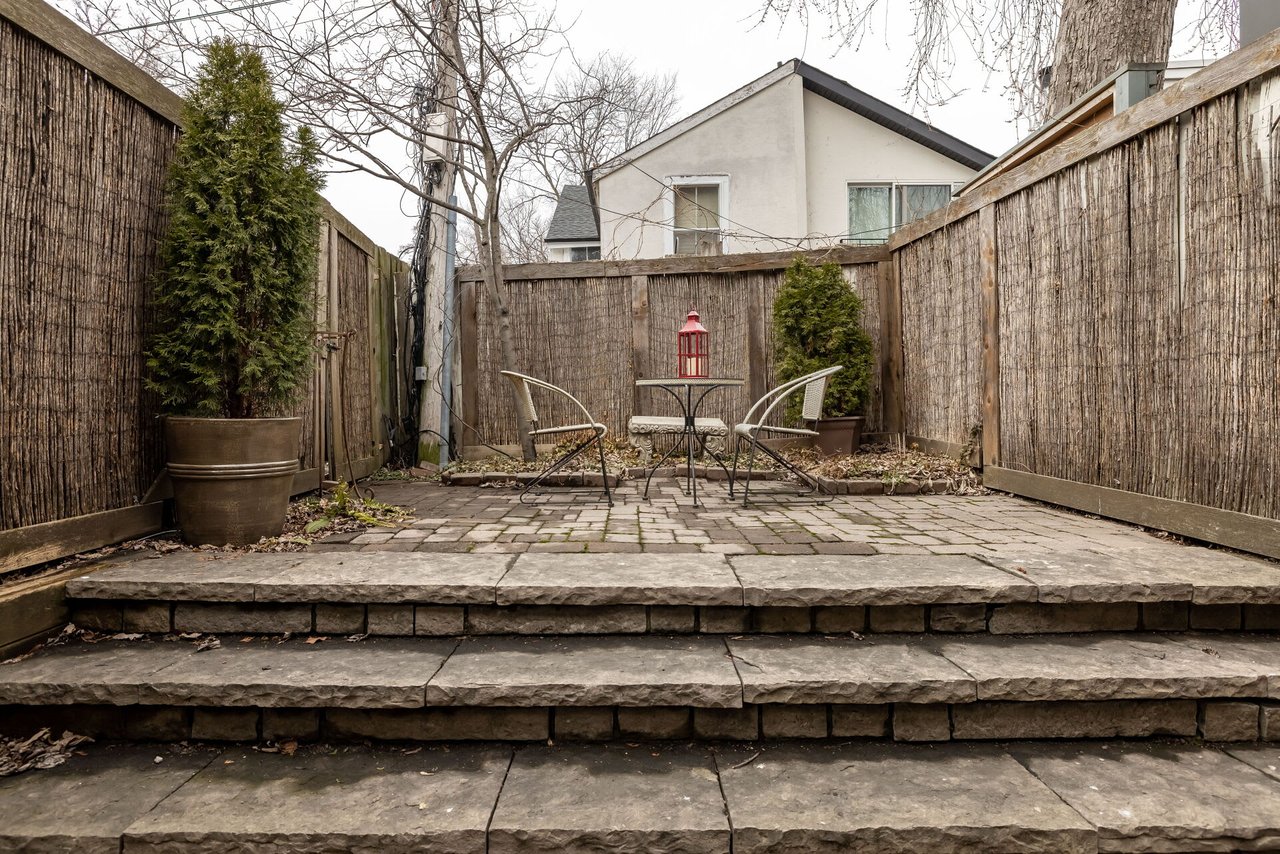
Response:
column 234, row 317
column 817, row 323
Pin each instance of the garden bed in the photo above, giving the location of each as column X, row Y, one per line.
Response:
column 874, row 470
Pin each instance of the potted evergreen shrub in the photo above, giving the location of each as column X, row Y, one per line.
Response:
column 817, row 323
column 233, row 308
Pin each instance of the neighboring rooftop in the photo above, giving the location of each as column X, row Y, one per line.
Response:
column 833, row 89
column 574, row 220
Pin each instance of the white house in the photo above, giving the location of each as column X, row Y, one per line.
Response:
column 793, row 159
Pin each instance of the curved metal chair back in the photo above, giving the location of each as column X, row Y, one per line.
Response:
column 814, row 386
column 524, row 396
column 815, row 389
column 524, row 385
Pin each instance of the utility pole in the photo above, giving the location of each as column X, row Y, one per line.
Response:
column 437, row 162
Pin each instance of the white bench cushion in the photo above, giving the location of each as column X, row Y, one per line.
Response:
column 675, row 424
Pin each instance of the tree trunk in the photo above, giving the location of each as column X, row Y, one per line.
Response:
column 1097, row 37
column 490, row 239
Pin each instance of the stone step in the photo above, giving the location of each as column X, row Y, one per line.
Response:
column 402, row 594
column 1067, row 798
column 1221, row 686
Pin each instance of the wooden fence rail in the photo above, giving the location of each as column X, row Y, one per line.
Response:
column 1104, row 321
column 596, row 327
column 85, row 143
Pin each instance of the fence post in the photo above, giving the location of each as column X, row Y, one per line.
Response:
column 990, row 336
column 337, row 417
column 320, row 398
column 890, row 290
column 757, row 331
column 469, row 356
column 639, row 340
column 377, row 352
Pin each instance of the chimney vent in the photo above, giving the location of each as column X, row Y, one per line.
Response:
column 1257, row 18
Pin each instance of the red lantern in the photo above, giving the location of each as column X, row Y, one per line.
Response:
column 693, row 362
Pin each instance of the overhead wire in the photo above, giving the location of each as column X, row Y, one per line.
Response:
column 196, row 17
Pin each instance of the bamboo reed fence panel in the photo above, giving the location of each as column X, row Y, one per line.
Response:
column 1133, row 357
column 942, row 334
column 306, row 410
column 573, row 333
column 82, row 169
column 578, row 333
column 357, row 395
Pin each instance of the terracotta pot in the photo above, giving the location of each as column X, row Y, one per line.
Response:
column 232, row 477
column 839, row 435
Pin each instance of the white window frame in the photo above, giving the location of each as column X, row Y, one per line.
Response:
column 720, row 182
column 895, row 222
column 585, row 244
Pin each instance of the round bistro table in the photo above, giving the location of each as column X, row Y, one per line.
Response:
column 682, row 389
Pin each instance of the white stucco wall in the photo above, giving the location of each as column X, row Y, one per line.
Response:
column 758, row 144
column 842, row 147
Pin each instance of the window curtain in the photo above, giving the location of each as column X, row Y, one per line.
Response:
column 918, row 200
column 697, row 207
column 870, row 215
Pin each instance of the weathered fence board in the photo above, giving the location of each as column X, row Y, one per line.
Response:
column 941, row 336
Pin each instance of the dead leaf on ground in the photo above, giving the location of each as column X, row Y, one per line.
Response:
column 39, row 752
column 208, row 643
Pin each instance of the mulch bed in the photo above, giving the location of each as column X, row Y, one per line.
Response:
column 874, row 470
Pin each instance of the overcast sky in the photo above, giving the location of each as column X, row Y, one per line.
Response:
column 714, row 47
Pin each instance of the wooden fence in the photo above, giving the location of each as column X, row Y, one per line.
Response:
column 85, row 143
column 1106, row 317
column 596, row 327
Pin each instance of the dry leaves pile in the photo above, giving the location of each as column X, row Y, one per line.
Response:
column 40, row 752
column 892, row 465
column 619, row 455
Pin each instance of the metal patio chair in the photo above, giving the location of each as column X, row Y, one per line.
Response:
column 524, row 394
column 814, row 387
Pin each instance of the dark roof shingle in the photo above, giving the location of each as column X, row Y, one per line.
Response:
column 574, row 219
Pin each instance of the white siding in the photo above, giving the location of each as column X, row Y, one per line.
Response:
column 757, row 144
column 843, row 147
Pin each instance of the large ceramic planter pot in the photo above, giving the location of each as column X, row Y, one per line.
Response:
column 231, row 476
column 839, row 435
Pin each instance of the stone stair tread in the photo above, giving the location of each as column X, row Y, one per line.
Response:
column 588, row 671
column 1177, row 574
column 1188, row 799
column 888, row 669
column 619, row 579
column 708, row 671
column 198, row 576
column 375, row 673
column 818, row 580
column 1114, row 667
column 1024, row 796
column 385, row 577
column 1169, row 573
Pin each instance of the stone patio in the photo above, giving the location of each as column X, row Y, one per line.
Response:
column 491, row 520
